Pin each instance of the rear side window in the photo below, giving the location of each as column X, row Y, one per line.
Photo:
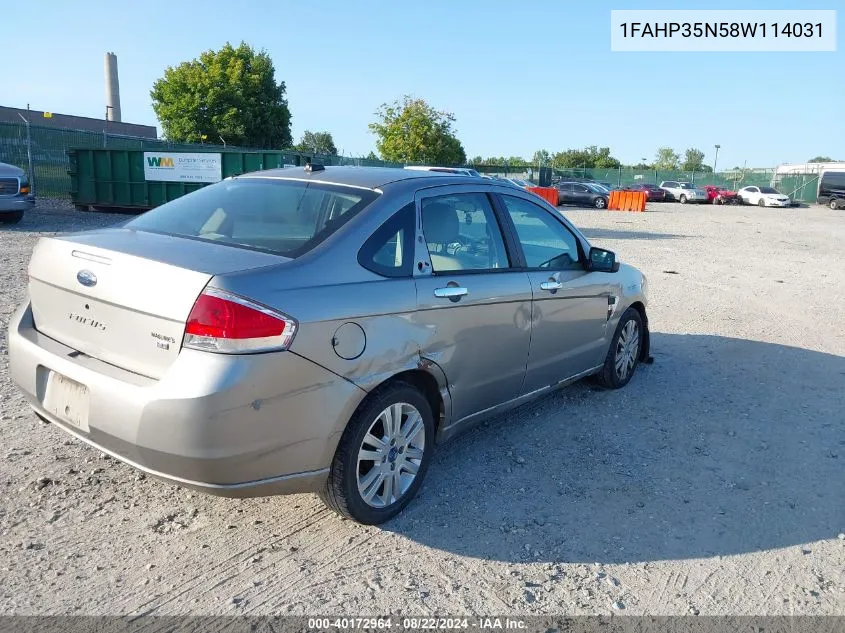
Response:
column 283, row 217
column 833, row 180
column 390, row 250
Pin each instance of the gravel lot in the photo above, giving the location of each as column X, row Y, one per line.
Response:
column 713, row 484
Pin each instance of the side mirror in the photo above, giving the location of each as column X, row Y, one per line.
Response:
column 601, row 260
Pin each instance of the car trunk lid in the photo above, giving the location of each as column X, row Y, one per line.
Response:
column 123, row 296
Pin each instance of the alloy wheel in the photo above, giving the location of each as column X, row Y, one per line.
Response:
column 627, row 349
column 390, row 455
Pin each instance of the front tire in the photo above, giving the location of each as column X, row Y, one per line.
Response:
column 382, row 457
column 833, row 204
column 761, row 202
column 12, row 217
column 682, row 199
column 623, row 357
column 600, row 203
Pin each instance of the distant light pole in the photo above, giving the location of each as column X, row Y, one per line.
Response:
column 715, row 159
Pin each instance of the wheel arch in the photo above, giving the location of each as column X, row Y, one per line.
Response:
column 646, row 347
column 429, row 379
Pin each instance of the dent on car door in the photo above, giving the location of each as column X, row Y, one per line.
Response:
column 570, row 304
column 476, row 307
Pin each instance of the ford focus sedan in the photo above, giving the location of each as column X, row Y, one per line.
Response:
column 318, row 329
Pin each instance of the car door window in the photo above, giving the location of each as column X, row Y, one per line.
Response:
column 581, row 189
column 546, row 242
column 462, row 233
column 753, row 190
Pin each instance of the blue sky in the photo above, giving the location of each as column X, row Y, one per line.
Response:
column 518, row 76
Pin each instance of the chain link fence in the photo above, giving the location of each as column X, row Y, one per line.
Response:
column 801, row 187
column 43, row 152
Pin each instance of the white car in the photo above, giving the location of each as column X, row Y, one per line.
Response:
column 683, row 192
column 449, row 170
column 763, row 196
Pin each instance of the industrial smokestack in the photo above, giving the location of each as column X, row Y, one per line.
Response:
column 112, row 88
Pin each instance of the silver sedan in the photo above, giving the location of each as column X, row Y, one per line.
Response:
column 318, row 329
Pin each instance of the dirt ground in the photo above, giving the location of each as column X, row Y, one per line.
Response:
column 713, row 484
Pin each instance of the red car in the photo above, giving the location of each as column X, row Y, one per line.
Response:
column 720, row 195
column 653, row 193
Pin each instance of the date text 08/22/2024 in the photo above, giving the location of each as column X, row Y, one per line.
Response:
column 416, row 623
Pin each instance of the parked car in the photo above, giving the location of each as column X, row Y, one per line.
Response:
column 763, row 196
column 683, row 192
column 585, row 194
column 831, row 189
column 317, row 329
column 16, row 195
column 446, row 170
column 653, row 193
column 721, row 195
column 521, row 182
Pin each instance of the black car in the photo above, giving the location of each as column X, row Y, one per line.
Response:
column 832, row 189
column 583, row 194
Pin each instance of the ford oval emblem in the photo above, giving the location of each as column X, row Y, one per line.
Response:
column 86, row 278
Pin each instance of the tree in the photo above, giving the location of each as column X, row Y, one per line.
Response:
column 371, row 156
column 693, row 160
column 317, row 143
column 641, row 166
column 476, row 160
column 410, row 130
column 666, row 159
column 541, row 157
column 231, row 94
column 589, row 157
column 821, row 159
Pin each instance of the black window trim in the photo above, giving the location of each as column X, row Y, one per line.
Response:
column 407, row 216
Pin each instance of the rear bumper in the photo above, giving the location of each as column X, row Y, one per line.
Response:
column 17, row 203
column 229, row 425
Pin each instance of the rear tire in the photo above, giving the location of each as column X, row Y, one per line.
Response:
column 682, row 199
column 623, row 357
column 349, row 471
column 12, row 217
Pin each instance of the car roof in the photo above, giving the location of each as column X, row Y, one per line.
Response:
column 367, row 177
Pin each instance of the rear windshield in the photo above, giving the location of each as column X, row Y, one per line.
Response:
column 284, row 217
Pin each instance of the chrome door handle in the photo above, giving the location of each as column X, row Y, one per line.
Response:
column 450, row 292
column 551, row 285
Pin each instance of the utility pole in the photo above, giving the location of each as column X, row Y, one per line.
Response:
column 715, row 159
column 29, row 152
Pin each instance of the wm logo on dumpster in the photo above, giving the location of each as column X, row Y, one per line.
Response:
column 159, row 161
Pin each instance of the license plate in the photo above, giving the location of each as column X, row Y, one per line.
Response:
column 67, row 400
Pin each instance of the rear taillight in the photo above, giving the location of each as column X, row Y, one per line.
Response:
column 224, row 322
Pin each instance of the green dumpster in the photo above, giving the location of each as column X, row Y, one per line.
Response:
column 142, row 179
